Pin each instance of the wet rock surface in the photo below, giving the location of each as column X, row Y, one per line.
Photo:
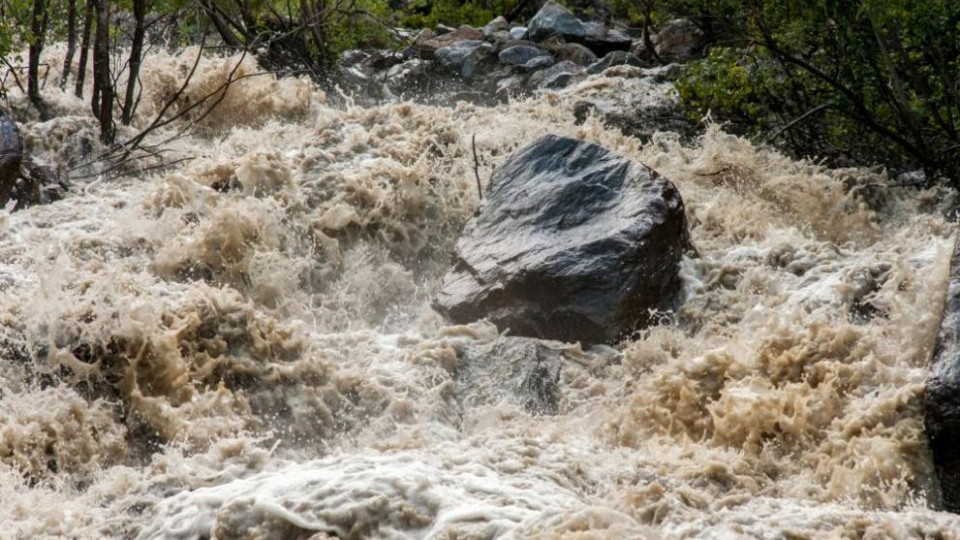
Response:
column 24, row 180
column 11, row 156
column 942, row 398
column 574, row 243
column 522, row 370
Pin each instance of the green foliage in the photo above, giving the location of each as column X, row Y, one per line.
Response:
column 854, row 80
column 429, row 13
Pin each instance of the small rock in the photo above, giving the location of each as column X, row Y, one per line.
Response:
column 38, row 184
column 578, row 54
column 536, row 64
column 554, row 19
column 496, row 25
column 616, row 58
column 573, row 243
column 553, row 44
column 558, row 75
column 443, row 29
column 464, row 33
column 520, row 54
column 518, row 32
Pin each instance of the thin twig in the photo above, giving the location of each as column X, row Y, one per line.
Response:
column 476, row 166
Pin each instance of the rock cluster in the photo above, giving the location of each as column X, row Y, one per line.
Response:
column 503, row 59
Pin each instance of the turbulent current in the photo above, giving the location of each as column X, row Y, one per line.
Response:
column 241, row 346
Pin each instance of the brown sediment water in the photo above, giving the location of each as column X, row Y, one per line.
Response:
column 242, row 346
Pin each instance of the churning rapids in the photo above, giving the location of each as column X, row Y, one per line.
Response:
column 242, row 347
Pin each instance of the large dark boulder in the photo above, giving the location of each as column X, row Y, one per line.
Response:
column 519, row 370
column 942, row 398
column 573, row 243
column 554, row 20
column 11, row 156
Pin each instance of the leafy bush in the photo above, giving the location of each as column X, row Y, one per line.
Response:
column 852, row 80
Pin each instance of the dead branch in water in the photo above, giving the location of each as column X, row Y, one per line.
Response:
column 476, row 166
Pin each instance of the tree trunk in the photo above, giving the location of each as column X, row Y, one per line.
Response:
column 103, row 87
column 136, row 50
column 84, row 48
column 38, row 24
column 71, row 42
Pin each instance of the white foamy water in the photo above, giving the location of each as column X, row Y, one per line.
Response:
column 242, row 346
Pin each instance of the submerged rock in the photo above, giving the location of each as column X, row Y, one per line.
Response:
column 942, row 399
column 574, row 243
column 11, row 155
column 522, row 370
column 554, row 19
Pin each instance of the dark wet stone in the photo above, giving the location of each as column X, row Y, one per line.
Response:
column 573, row 243
column 11, row 156
column 942, row 397
column 558, row 75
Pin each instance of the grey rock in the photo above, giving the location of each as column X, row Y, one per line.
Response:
column 573, row 243
column 558, row 75
column 536, row 64
column 463, row 57
column 496, row 25
column 520, row 370
column 520, row 54
column 616, row 58
column 428, row 43
column 518, row 32
column 554, row 19
column 576, row 53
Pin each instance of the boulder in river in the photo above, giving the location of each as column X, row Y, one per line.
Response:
column 554, row 19
column 573, row 243
column 942, row 397
column 11, row 156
